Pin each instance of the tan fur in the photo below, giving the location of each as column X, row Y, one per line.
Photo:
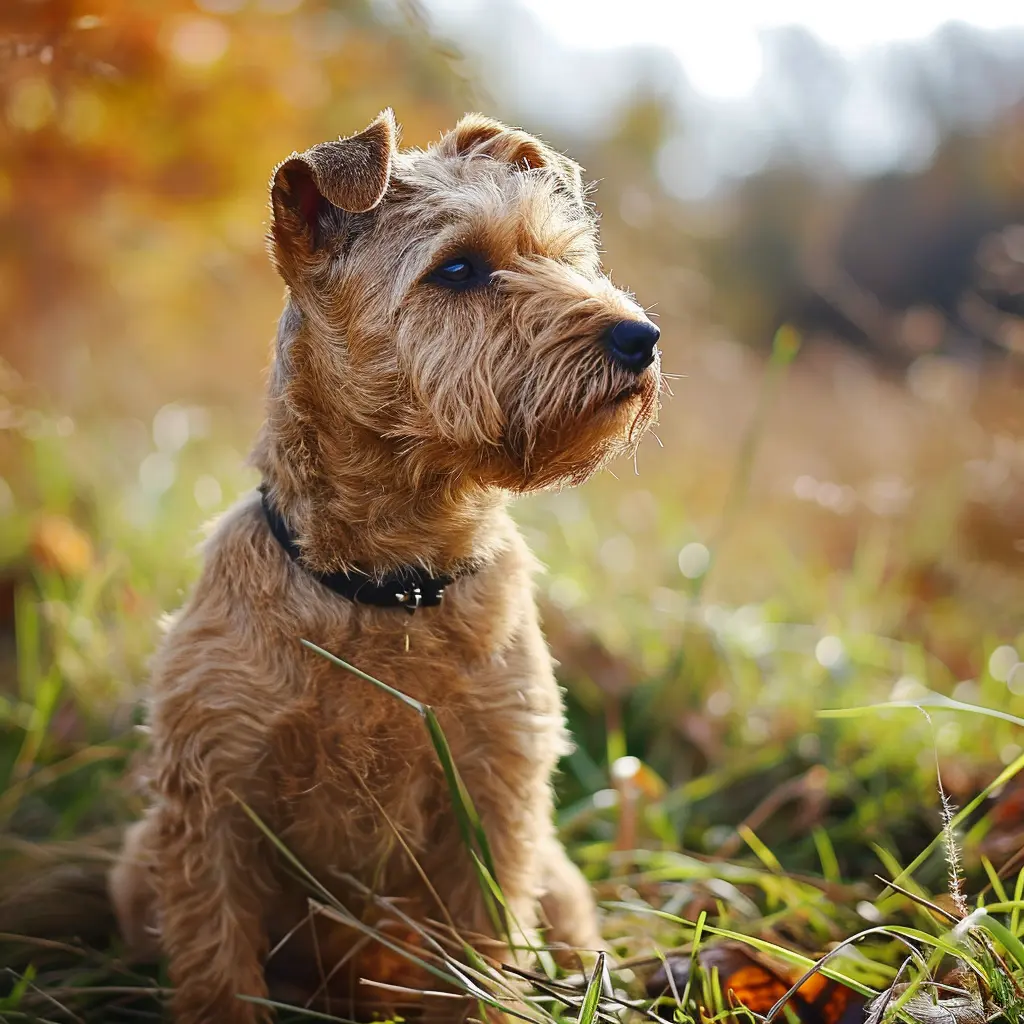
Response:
column 401, row 416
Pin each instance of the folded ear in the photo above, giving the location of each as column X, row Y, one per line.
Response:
column 350, row 175
column 478, row 135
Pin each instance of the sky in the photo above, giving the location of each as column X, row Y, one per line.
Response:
column 717, row 42
column 746, row 89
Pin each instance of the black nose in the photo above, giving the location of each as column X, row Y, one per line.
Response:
column 631, row 343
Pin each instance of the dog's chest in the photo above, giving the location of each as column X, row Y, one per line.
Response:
column 363, row 766
column 363, row 769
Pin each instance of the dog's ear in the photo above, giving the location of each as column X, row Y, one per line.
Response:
column 350, row 175
column 477, row 135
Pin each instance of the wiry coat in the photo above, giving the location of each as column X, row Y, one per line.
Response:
column 401, row 414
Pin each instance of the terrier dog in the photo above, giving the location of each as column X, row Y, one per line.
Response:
column 448, row 340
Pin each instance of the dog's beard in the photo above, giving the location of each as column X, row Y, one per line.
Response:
column 565, row 432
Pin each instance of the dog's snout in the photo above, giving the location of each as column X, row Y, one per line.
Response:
column 631, row 343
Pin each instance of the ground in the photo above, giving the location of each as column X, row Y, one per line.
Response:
column 704, row 633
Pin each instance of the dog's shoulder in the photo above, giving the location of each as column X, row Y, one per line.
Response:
column 233, row 609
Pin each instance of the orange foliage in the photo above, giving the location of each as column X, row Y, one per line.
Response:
column 136, row 144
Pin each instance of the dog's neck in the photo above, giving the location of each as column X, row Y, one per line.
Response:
column 362, row 511
column 349, row 498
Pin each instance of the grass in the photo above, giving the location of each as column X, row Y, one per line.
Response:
column 753, row 763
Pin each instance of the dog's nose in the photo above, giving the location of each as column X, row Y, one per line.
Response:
column 631, row 343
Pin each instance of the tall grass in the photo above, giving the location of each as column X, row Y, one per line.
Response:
column 728, row 784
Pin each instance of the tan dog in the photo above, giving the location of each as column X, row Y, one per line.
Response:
column 448, row 339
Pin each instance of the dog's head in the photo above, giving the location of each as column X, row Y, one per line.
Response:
column 451, row 302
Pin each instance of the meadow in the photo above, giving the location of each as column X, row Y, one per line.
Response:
column 746, row 673
column 791, row 635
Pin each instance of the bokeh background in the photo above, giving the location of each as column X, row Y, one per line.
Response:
column 825, row 210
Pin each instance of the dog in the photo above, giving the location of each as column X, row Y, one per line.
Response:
column 448, row 340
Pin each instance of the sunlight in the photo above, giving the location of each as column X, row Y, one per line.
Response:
column 718, row 45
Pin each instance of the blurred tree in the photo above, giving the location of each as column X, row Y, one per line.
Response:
column 136, row 142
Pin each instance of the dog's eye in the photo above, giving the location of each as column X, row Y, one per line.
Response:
column 461, row 272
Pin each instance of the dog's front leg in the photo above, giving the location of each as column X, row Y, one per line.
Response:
column 512, row 827
column 567, row 901
column 212, row 884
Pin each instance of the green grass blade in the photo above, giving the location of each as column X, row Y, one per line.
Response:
column 13, row 998
column 397, row 694
column 785, row 345
column 764, row 946
column 459, row 792
column 494, row 898
column 931, row 700
column 998, row 931
column 28, row 643
column 1018, row 899
column 994, row 880
column 470, row 826
column 760, row 849
column 952, row 947
column 826, row 855
column 592, row 999
column 1000, row 780
column 698, row 935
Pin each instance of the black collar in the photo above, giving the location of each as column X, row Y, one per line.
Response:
column 408, row 587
